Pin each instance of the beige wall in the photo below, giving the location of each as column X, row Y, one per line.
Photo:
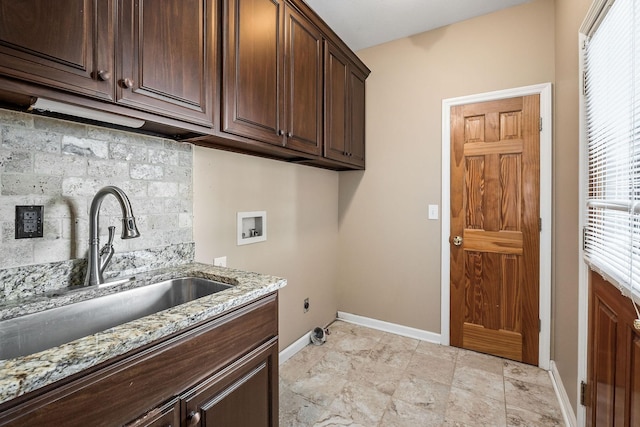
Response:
column 389, row 250
column 302, row 229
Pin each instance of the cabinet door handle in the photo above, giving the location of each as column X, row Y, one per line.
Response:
column 280, row 132
column 128, row 83
column 104, row 75
column 193, row 418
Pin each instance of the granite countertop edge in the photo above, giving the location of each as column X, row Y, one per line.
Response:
column 22, row 375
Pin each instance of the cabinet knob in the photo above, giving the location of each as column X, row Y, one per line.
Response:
column 193, row 418
column 128, row 83
column 104, row 75
column 289, row 134
column 280, row 132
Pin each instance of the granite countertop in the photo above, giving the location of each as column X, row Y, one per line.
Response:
column 24, row 374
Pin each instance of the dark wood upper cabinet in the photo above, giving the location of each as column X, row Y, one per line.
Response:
column 263, row 77
column 251, row 97
column 152, row 55
column 67, row 44
column 356, row 117
column 302, row 83
column 166, row 49
column 272, row 77
column 343, row 108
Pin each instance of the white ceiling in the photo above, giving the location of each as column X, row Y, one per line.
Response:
column 366, row 23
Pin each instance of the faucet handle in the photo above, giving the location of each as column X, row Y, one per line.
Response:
column 112, row 233
column 109, row 245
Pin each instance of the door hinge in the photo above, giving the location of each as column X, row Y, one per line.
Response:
column 540, row 124
column 584, row 238
column 539, row 224
column 539, row 325
column 583, row 394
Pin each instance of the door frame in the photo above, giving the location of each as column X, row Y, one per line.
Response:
column 546, row 140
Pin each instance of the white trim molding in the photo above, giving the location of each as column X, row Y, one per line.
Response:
column 291, row 351
column 583, row 268
column 565, row 403
column 546, row 140
column 393, row 328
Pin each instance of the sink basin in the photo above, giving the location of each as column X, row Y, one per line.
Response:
column 36, row 332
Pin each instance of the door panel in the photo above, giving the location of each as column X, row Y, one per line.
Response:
column 336, row 104
column 605, row 361
column 613, row 361
column 166, row 64
column 251, row 70
column 78, row 59
column 495, row 209
column 303, row 83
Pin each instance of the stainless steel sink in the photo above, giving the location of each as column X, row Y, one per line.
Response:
column 36, row 332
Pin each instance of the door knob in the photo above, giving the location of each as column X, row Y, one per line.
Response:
column 457, row 240
column 193, row 418
column 104, row 75
column 127, row 83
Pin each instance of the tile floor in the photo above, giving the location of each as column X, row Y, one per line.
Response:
column 365, row 377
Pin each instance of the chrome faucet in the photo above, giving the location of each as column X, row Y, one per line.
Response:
column 99, row 259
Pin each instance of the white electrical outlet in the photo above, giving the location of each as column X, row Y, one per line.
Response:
column 433, row 211
column 220, row 261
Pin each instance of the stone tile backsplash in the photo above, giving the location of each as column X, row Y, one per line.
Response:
column 61, row 165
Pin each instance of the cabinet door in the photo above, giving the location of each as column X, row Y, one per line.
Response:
column 302, row 83
column 244, row 394
column 356, row 117
column 166, row 57
column 336, row 105
column 251, row 100
column 66, row 44
column 344, row 109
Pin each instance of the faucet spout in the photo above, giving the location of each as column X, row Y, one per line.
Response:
column 95, row 267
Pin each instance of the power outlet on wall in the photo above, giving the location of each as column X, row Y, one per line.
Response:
column 220, row 261
column 29, row 221
column 306, row 305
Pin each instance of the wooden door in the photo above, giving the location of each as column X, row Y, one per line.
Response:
column 495, row 227
column 252, row 104
column 167, row 51
column 66, row 44
column 302, row 83
column 612, row 394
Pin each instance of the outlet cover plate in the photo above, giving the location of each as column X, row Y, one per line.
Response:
column 29, row 221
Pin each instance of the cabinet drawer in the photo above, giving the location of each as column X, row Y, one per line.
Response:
column 121, row 391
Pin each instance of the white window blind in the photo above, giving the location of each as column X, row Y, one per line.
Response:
column 612, row 95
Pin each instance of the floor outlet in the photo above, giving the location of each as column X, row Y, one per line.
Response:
column 220, row 261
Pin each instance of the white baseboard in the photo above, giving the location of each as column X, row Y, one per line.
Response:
column 298, row 345
column 394, row 328
column 565, row 404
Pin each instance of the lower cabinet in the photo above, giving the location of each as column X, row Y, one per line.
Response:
column 244, row 394
column 223, row 372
